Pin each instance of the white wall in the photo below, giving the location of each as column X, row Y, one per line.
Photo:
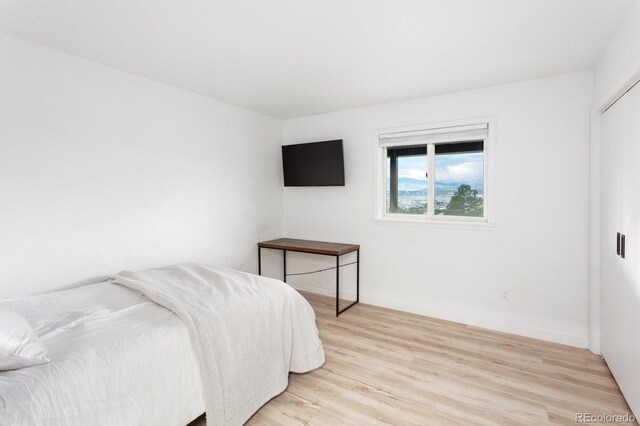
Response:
column 615, row 72
column 539, row 250
column 102, row 170
column 621, row 59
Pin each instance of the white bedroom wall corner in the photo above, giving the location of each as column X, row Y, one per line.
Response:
column 594, row 231
column 122, row 172
column 619, row 66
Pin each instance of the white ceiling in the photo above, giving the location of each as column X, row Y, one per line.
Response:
column 290, row 58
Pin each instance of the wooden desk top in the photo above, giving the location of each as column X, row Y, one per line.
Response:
column 307, row 246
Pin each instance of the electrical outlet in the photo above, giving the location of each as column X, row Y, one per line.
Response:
column 504, row 295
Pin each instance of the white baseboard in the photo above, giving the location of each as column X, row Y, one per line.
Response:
column 472, row 320
column 324, row 291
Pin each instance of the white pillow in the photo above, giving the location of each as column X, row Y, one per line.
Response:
column 19, row 345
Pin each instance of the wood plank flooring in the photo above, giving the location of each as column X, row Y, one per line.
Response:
column 386, row 367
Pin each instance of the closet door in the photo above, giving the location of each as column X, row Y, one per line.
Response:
column 620, row 281
column 611, row 329
column 630, row 371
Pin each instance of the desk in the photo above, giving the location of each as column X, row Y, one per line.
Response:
column 316, row 247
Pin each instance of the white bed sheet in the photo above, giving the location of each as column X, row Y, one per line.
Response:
column 116, row 359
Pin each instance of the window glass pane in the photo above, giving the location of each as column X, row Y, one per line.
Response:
column 459, row 179
column 407, row 180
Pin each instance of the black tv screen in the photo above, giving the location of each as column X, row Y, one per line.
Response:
column 313, row 164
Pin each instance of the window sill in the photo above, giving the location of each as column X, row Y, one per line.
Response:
column 407, row 220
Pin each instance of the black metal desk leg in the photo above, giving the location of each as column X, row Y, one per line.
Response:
column 358, row 275
column 284, row 257
column 259, row 261
column 357, row 262
column 337, row 285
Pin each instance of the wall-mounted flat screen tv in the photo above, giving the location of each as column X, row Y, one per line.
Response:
column 313, row 164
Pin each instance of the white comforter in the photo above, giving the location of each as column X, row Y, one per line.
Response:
column 248, row 333
column 117, row 358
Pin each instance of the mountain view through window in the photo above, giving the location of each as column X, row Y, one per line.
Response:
column 459, row 181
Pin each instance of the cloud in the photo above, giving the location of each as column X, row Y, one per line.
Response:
column 413, row 167
column 471, row 171
column 455, row 168
column 412, row 173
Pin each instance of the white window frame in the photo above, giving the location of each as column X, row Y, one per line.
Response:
column 429, row 217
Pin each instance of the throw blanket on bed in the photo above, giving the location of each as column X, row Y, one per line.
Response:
column 248, row 332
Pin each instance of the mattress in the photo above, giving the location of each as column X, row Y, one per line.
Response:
column 116, row 359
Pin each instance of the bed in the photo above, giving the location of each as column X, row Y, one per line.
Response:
column 117, row 358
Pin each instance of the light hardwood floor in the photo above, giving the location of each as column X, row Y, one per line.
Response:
column 390, row 367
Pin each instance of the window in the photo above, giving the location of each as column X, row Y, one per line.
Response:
column 434, row 174
column 459, row 176
column 407, row 182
